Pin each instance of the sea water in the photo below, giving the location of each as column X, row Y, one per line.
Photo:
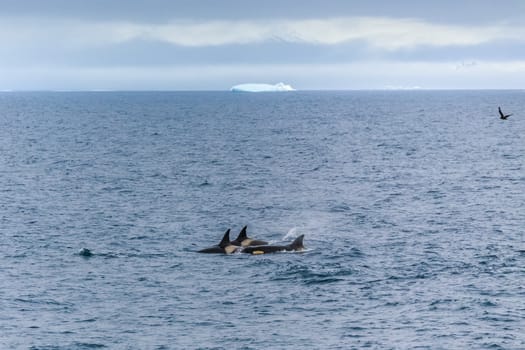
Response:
column 412, row 204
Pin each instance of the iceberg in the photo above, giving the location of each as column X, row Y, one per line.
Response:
column 251, row 87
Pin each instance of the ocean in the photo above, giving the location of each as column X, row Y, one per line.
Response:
column 412, row 204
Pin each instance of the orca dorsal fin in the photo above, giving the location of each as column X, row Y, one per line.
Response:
column 242, row 235
column 225, row 239
column 297, row 244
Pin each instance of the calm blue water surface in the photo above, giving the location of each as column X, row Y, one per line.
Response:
column 412, row 205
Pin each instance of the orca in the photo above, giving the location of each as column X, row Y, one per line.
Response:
column 244, row 241
column 296, row 245
column 503, row 116
column 224, row 247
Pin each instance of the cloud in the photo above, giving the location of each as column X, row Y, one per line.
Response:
column 382, row 33
column 378, row 32
column 330, row 53
column 393, row 34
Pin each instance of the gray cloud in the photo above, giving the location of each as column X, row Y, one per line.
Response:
column 158, row 11
column 380, row 33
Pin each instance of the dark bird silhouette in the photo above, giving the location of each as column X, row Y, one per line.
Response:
column 503, row 116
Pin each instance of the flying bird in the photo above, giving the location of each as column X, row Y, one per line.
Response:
column 503, row 116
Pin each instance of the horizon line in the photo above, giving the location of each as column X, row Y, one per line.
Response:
column 264, row 92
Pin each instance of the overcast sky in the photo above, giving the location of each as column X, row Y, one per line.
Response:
column 214, row 44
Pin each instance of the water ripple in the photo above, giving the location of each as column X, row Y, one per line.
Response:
column 411, row 204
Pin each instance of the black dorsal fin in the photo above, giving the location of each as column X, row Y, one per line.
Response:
column 297, row 243
column 242, row 235
column 225, row 239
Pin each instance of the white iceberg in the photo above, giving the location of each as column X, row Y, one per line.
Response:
column 250, row 87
